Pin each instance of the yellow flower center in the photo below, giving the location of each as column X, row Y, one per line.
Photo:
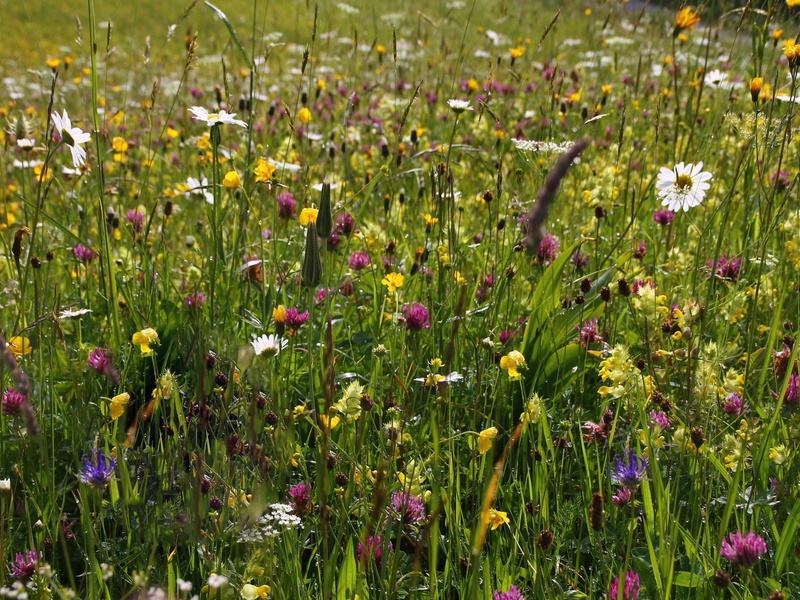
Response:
column 683, row 182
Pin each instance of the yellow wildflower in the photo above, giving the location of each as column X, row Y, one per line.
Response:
column 231, row 180
column 119, row 144
column 393, row 281
column 485, row 439
column 686, row 19
column 279, row 314
column 308, row 215
column 495, row 518
column 20, row 345
column 264, row 170
column 304, row 115
column 251, row 592
column 144, row 338
column 118, row 403
column 511, row 362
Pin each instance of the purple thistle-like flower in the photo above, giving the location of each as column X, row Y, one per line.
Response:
column 195, row 300
column 743, row 549
column 631, row 590
column 580, row 260
column 506, row 336
column 371, row 548
column 663, row 217
column 345, row 223
column 359, row 260
column 407, row 508
column 548, row 248
column 103, row 363
column 136, row 219
column 792, row 396
column 83, row 254
column 13, row 401
column 629, row 470
column 98, row 469
column 287, row 205
column 24, row 564
column 727, row 267
column 735, row 405
column 588, row 333
column 295, row 318
column 512, row 594
column 417, row 316
column 300, row 498
column 781, row 180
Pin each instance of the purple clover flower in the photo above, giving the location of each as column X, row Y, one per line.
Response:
column 588, row 333
column 287, row 205
column 512, row 594
column 726, row 267
column 359, row 260
column 98, row 469
column 548, row 249
column 300, row 498
column 417, row 317
column 792, row 391
column 629, row 470
column 295, row 319
column 663, row 217
column 13, row 401
column 371, row 548
column 743, row 549
column 195, row 300
column 659, row 418
column 621, row 497
column 407, row 508
column 735, row 405
column 631, row 590
column 83, row 254
column 24, row 564
column 136, row 219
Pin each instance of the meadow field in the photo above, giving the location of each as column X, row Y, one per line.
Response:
column 469, row 299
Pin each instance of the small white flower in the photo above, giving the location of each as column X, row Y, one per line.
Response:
column 268, row 345
column 683, row 187
column 458, row 106
column 184, row 586
column 201, row 114
column 216, row 581
column 69, row 314
column 200, row 187
column 73, row 137
column 25, row 143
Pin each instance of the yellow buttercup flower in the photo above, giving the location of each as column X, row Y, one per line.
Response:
column 231, row 180
column 495, row 518
column 144, row 338
column 279, row 314
column 119, row 144
column 393, row 281
column 20, row 345
column 486, row 439
column 264, row 170
column 308, row 215
column 304, row 115
column 118, row 404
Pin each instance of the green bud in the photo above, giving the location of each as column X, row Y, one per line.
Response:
column 325, row 216
column 312, row 266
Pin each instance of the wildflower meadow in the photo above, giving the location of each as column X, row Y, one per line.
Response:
column 466, row 299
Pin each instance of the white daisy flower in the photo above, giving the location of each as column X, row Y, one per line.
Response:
column 201, row 114
column 268, row 345
column 458, row 106
column 199, row 187
column 683, row 187
column 73, row 137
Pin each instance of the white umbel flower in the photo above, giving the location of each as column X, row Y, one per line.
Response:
column 268, row 345
column 73, row 137
column 201, row 114
column 683, row 187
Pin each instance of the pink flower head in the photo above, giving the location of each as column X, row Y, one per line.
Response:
column 417, row 317
column 743, row 549
column 83, row 254
column 548, row 249
column 407, row 508
column 371, row 548
column 136, row 219
column 300, row 498
column 631, row 591
column 295, row 319
column 512, row 594
column 13, row 401
column 359, row 260
column 24, row 564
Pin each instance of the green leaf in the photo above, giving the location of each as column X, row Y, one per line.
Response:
column 788, row 538
column 232, row 31
column 346, row 586
column 687, row 579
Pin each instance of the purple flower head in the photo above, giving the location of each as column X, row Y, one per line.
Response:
column 136, row 219
column 287, row 205
column 792, row 391
column 417, row 316
column 660, row 419
column 735, row 405
column 195, row 300
column 580, row 260
column 13, row 401
column 512, row 594
column 371, row 548
column 743, row 549
column 588, row 333
column 629, row 470
column 295, row 318
column 621, row 497
column 98, row 469
column 66, row 527
column 506, row 336
column 24, row 564
column 359, row 260
column 781, row 180
column 726, row 268
column 300, row 498
column 83, row 254
column 548, row 249
column 345, row 223
column 407, row 508
column 631, row 590
column 663, row 217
